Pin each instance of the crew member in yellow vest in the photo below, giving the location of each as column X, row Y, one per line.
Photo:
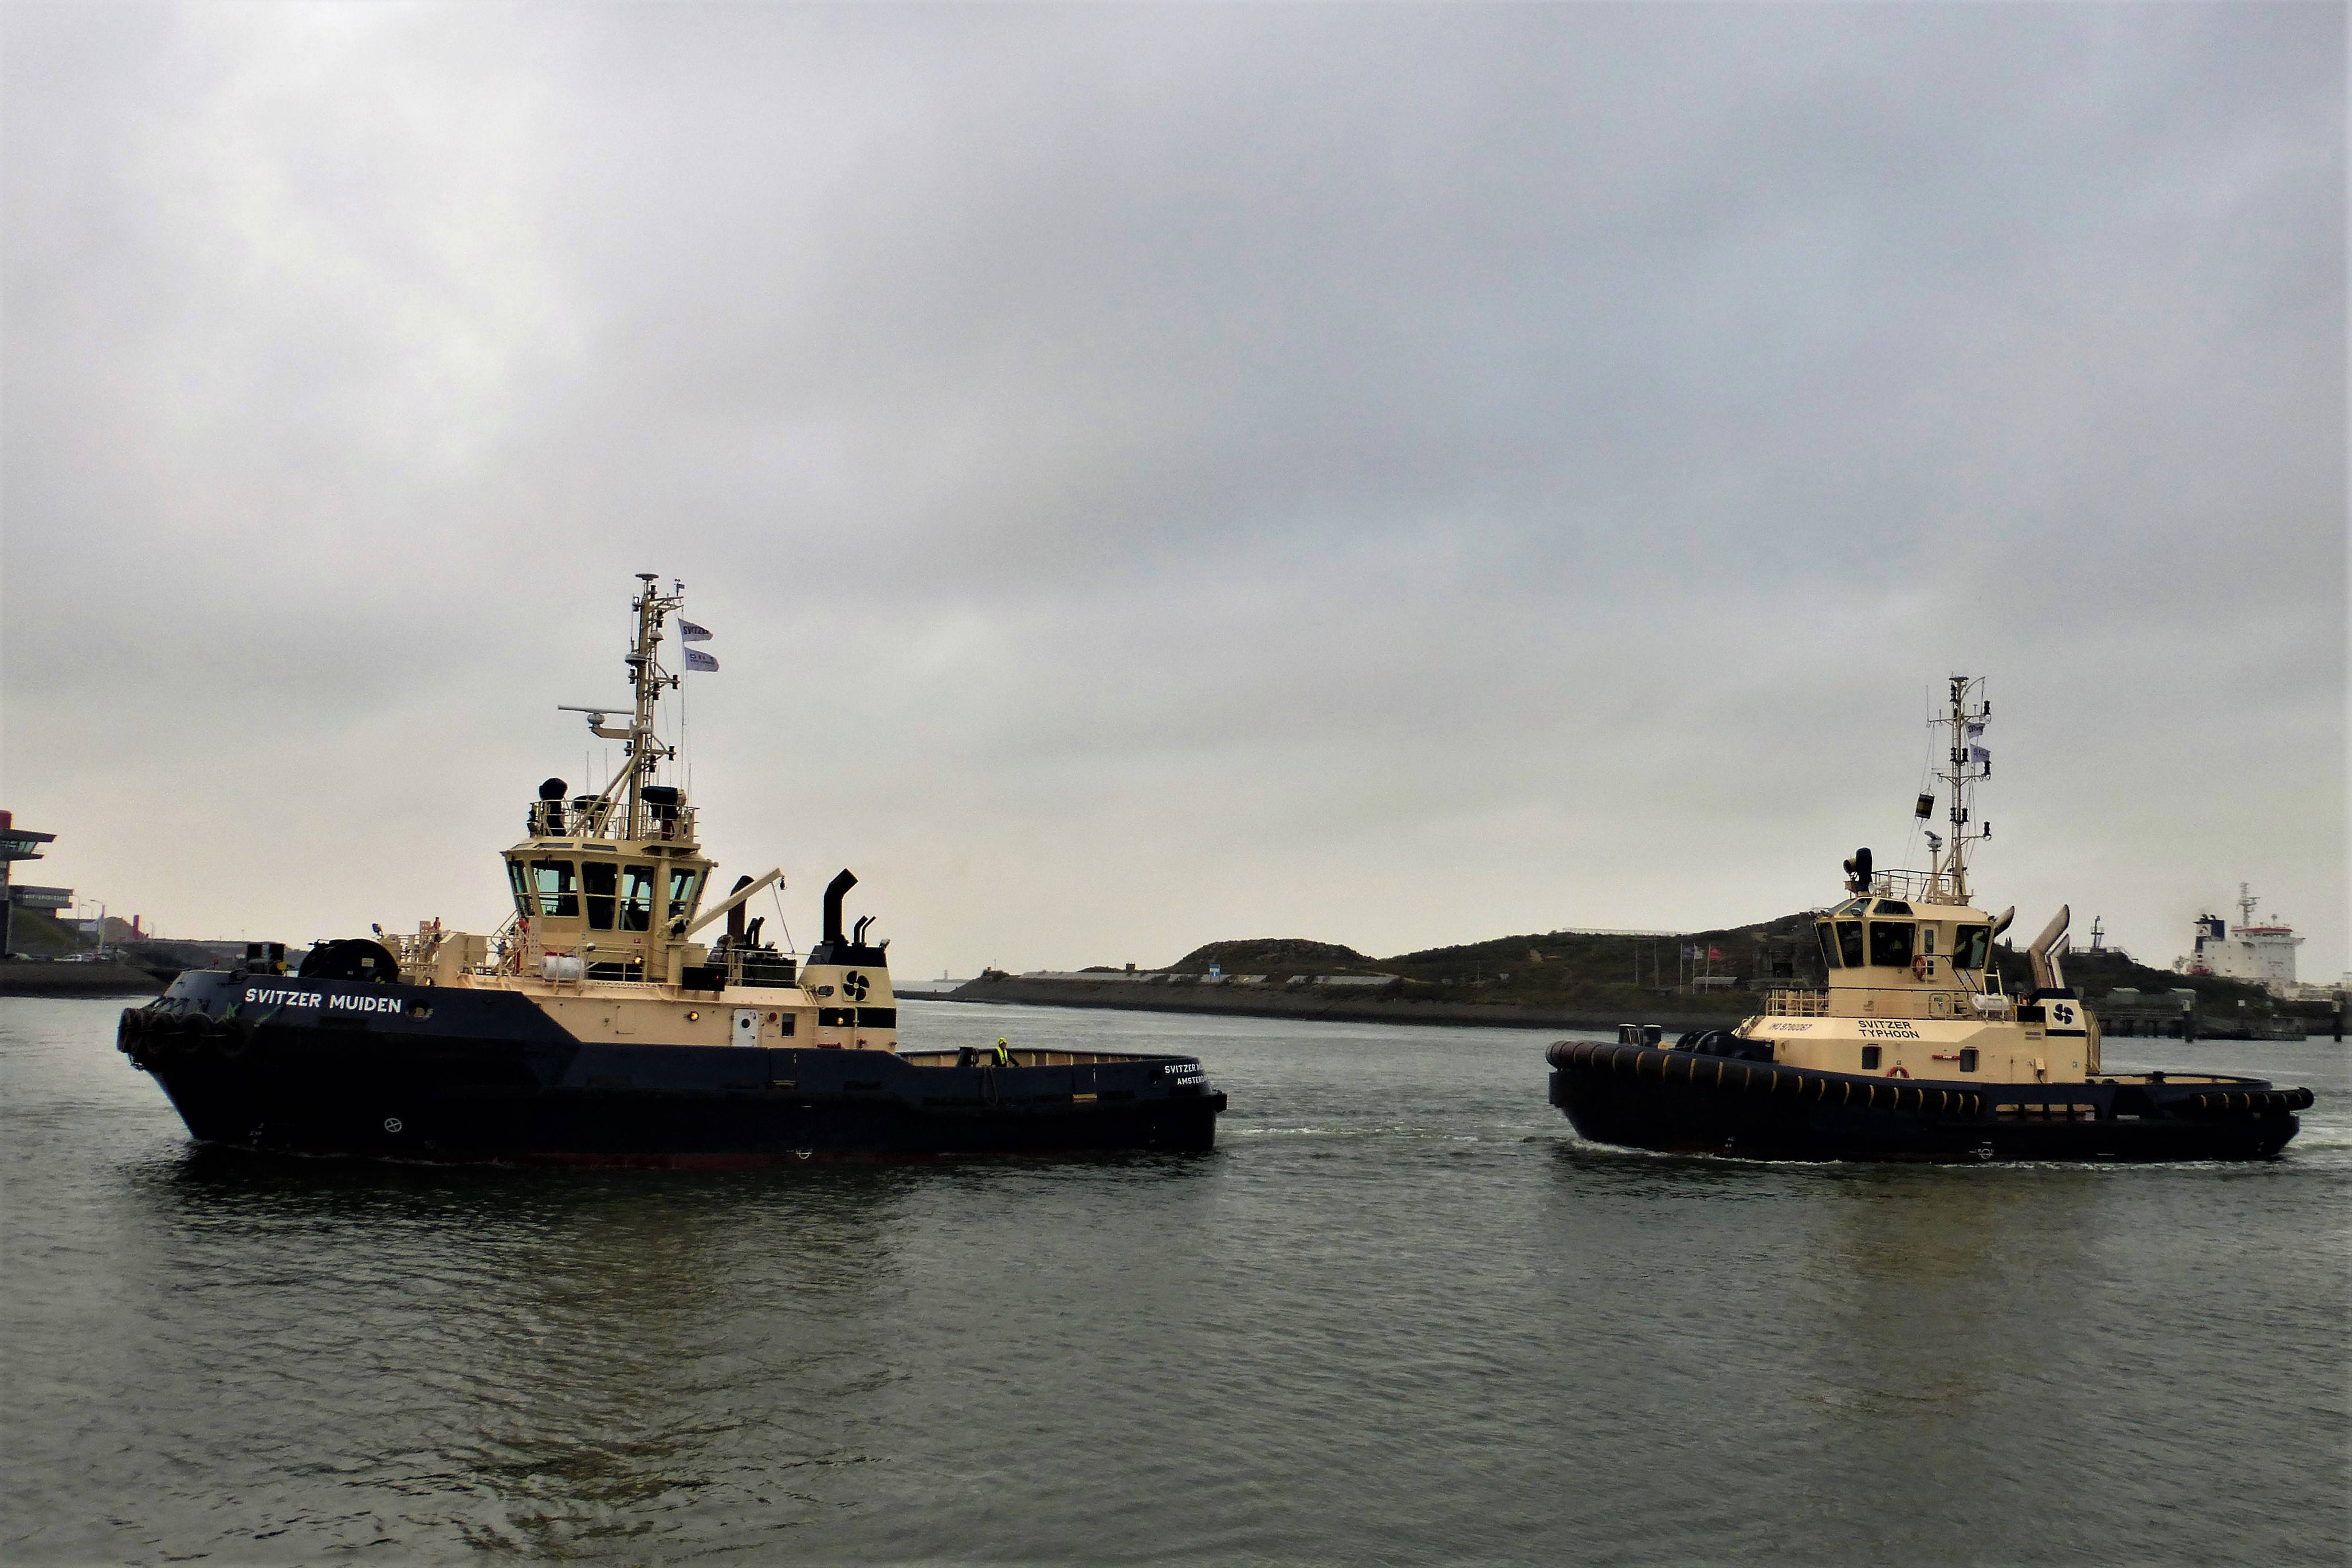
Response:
column 1003, row 1052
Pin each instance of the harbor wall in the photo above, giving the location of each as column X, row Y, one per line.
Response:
column 22, row 979
column 1675, row 1014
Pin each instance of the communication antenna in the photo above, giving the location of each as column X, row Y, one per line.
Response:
column 1967, row 764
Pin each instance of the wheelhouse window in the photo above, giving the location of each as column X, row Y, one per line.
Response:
column 1890, row 942
column 683, row 881
column 1928, row 940
column 517, row 875
column 597, row 880
column 1829, row 944
column 1893, row 907
column 1850, row 943
column 636, row 898
column 1971, row 945
column 557, row 885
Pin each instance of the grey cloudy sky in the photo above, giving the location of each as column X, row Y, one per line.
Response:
column 1388, row 474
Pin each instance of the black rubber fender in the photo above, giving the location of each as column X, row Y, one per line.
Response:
column 234, row 1038
column 1708, row 1071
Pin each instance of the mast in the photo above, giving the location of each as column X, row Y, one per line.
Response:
column 647, row 676
column 1966, row 764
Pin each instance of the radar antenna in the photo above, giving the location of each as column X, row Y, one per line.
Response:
column 641, row 747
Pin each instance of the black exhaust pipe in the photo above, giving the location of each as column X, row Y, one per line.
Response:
column 735, row 916
column 834, row 892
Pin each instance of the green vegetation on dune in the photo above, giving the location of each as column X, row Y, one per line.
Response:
column 1544, row 969
column 1629, row 974
column 1276, row 957
column 38, row 935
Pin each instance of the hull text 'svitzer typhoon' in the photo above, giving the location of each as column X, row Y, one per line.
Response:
column 1915, row 1051
column 594, row 1028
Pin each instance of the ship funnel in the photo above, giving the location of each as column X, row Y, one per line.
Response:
column 2045, row 971
column 834, row 892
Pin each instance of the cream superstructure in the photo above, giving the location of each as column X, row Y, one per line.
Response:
column 1911, row 989
column 610, row 915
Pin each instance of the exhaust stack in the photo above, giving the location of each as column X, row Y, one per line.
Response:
column 735, row 916
column 834, row 892
column 2044, row 954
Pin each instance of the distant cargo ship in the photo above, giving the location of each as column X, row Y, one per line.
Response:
column 2261, row 952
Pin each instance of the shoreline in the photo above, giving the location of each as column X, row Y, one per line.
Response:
column 1497, row 1015
column 1675, row 1016
column 38, row 979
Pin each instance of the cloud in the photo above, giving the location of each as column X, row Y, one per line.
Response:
column 1393, row 475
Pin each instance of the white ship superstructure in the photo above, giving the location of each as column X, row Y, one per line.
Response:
column 2263, row 951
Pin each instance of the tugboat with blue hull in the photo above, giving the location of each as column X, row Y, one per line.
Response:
column 1914, row 1050
column 593, row 1027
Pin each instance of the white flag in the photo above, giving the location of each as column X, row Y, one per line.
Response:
column 687, row 631
column 696, row 659
column 1980, row 756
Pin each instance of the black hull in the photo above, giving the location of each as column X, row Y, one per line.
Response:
column 385, row 1085
column 1678, row 1101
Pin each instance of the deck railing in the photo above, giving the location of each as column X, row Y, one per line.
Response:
column 1918, row 886
column 1794, row 1004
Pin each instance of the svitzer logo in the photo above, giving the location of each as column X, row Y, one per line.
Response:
column 853, row 986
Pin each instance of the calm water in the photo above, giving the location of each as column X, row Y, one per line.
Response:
column 1400, row 1314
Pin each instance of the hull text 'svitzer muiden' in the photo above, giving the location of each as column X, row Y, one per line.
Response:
column 596, row 1028
column 1914, row 1050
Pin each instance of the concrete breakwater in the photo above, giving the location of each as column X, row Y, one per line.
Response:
column 1342, row 1003
column 19, row 978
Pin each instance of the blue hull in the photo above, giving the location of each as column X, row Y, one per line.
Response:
column 1651, row 1097
column 421, row 1074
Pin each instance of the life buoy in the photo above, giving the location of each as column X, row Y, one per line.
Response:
column 1898, row 1073
column 1919, row 967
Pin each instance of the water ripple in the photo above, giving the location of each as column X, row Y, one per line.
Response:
column 1402, row 1313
